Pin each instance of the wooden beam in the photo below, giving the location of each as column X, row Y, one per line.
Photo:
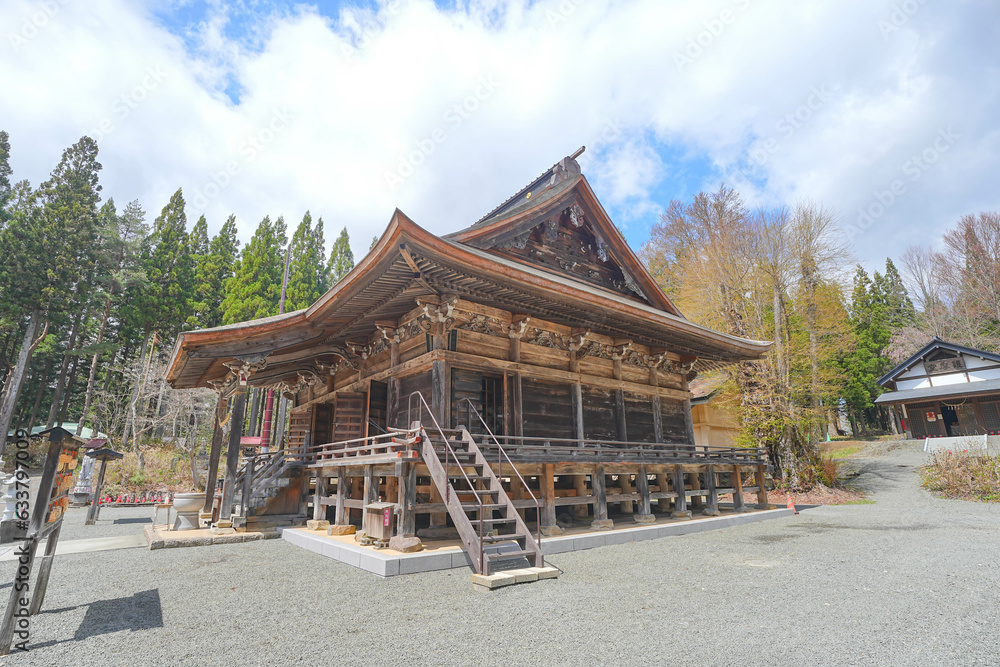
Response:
column 713, row 494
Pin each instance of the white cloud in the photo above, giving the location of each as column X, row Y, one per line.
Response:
column 327, row 107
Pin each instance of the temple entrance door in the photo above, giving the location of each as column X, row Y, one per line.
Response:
column 950, row 417
column 349, row 416
column 486, row 392
column 378, row 408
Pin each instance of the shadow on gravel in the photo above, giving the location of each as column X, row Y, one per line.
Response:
column 142, row 611
column 826, row 527
column 134, row 520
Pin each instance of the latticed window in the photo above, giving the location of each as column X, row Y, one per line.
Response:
column 991, row 416
column 918, row 420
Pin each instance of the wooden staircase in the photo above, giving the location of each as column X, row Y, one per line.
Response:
column 489, row 526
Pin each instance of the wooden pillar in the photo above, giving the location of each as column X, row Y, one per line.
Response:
column 517, row 492
column 233, row 455
column 392, row 489
column 95, row 505
column 371, row 485
column 548, row 484
column 645, row 514
column 408, row 492
column 625, row 483
column 657, row 419
column 340, row 517
column 738, row 490
column 438, row 519
column 620, row 414
column 319, row 509
column 696, row 501
column 577, row 395
column 438, row 394
column 357, row 492
column 580, row 484
column 713, row 496
column 761, row 487
column 680, row 502
column 44, row 569
column 661, row 481
column 213, row 460
column 599, row 488
column 688, row 422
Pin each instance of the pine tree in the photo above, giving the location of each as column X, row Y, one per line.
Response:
column 255, row 288
column 341, row 258
column 306, row 268
column 374, row 243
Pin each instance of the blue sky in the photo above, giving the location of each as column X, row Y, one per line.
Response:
column 884, row 112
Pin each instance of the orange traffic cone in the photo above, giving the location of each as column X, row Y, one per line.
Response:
column 791, row 505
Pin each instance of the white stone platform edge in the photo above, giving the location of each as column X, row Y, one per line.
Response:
column 386, row 565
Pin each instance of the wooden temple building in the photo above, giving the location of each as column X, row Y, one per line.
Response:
column 524, row 369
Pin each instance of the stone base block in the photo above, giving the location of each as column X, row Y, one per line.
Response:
column 644, row 518
column 340, row 530
column 708, row 511
column 313, row 524
column 407, row 545
column 602, row 524
column 222, row 531
column 686, row 514
column 552, row 531
column 224, row 523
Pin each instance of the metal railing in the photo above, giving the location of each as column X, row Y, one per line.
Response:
column 501, row 455
column 449, row 455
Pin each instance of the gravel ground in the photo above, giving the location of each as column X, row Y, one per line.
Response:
column 113, row 522
column 908, row 580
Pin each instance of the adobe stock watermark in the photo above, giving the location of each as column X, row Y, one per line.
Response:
column 366, row 34
column 713, row 29
column 762, row 149
column 913, row 170
column 899, row 16
column 556, row 16
column 122, row 107
column 35, row 23
column 248, row 150
column 453, row 118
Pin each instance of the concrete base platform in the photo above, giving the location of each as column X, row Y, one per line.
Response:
column 160, row 537
column 447, row 554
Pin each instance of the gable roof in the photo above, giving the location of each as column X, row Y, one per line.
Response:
column 550, row 192
column 935, row 344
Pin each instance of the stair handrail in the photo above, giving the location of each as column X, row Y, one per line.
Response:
column 470, row 408
column 422, row 403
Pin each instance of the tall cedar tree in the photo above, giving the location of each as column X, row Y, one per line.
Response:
column 306, row 267
column 198, row 243
column 215, row 267
column 5, row 174
column 880, row 308
column 55, row 246
column 165, row 302
column 255, row 288
column 341, row 257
